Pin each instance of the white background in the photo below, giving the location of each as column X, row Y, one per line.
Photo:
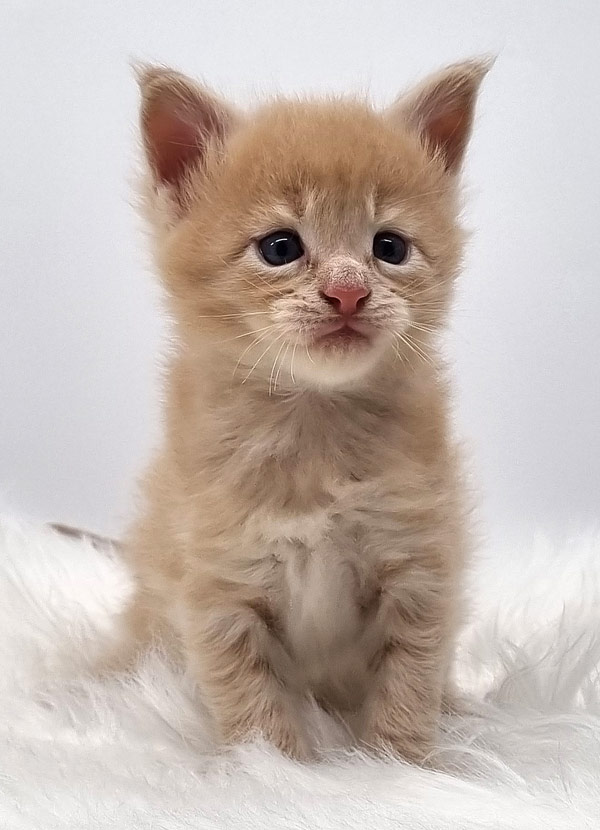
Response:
column 80, row 326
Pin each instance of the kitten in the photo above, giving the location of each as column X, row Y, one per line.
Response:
column 303, row 532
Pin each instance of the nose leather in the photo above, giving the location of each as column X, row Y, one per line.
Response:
column 346, row 300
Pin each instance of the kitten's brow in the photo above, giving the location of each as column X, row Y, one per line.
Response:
column 389, row 212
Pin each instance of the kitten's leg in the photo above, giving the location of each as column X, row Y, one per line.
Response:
column 137, row 627
column 405, row 704
column 238, row 662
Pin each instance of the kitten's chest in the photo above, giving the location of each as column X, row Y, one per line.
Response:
column 328, row 602
column 299, row 463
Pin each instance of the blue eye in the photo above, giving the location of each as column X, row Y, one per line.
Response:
column 389, row 247
column 281, row 247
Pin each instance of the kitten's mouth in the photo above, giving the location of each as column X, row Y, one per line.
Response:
column 343, row 334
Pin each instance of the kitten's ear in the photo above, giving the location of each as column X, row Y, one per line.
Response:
column 441, row 109
column 179, row 120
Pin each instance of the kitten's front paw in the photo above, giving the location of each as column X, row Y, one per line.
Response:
column 412, row 748
column 395, row 732
column 291, row 742
column 278, row 729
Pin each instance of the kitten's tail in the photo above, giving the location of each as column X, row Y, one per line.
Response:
column 99, row 542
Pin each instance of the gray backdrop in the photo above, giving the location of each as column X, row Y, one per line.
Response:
column 80, row 324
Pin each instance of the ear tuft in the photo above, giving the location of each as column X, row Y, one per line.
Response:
column 179, row 119
column 441, row 109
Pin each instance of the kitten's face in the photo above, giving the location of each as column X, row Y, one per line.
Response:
column 313, row 242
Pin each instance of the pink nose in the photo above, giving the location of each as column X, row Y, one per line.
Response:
column 346, row 301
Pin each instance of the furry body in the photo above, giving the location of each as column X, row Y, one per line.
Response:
column 303, row 529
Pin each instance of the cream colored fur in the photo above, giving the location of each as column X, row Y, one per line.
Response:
column 303, row 530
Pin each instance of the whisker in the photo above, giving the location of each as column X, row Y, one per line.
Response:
column 258, row 288
column 261, row 357
column 246, row 334
column 398, row 353
column 268, row 284
column 438, row 303
column 401, row 339
column 428, row 288
column 416, row 341
column 273, row 368
column 247, row 349
column 283, row 357
column 423, row 327
column 230, row 316
column 418, row 350
column 292, row 363
column 414, row 348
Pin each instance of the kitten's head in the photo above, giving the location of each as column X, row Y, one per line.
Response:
column 308, row 241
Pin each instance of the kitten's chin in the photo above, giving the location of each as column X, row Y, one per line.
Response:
column 338, row 360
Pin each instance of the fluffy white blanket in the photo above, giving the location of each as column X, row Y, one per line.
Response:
column 76, row 752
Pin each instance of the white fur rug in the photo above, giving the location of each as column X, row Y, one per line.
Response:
column 79, row 753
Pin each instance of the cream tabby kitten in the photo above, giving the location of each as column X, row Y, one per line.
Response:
column 303, row 529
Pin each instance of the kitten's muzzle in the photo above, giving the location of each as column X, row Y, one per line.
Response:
column 346, row 300
column 343, row 331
